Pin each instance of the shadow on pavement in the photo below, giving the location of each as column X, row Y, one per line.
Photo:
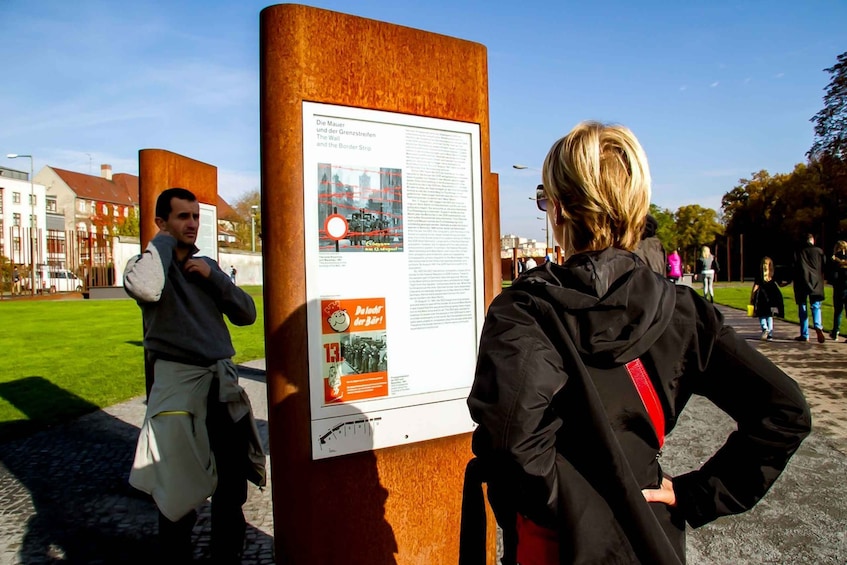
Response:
column 64, row 492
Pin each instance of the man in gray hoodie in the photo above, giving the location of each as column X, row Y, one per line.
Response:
column 199, row 437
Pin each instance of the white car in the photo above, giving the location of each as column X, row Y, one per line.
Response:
column 60, row 280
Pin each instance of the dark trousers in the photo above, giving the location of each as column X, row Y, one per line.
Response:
column 839, row 299
column 228, row 441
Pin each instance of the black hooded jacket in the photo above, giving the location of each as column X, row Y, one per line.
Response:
column 564, row 435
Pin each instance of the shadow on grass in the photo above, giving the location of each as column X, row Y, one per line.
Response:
column 44, row 404
column 66, row 488
column 135, row 342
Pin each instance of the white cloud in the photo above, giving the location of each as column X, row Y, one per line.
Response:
column 714, row 84
column 779, row 75
column 683, row 88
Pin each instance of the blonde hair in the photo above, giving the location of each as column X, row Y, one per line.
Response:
column 767, row 269
column 598, row 178
column 705, row 252
column 840, row 245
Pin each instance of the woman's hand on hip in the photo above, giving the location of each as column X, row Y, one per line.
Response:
column 664, row 493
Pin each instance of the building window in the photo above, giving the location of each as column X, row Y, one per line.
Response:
column 16, row 198
column 81, row 205
column 51, row 205
column 16, row 244
column 32, row 221
column 16, row 219
column 2, row 192
column 32, row 200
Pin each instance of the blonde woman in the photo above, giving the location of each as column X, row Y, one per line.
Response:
column 707, row 267
column 570, row 358
column 766, row 298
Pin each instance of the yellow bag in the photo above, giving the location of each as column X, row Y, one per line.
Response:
column 750, row 310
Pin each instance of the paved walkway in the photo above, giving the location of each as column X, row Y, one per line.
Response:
column 64, row 495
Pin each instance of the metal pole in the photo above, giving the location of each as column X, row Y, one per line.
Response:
column 253, row 231
column 32, row 224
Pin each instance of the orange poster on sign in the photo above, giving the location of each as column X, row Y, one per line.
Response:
column 355, row 360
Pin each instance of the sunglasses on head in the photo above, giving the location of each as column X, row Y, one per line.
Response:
column 541, row 198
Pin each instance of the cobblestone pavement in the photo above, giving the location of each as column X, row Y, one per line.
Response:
column 64, row 496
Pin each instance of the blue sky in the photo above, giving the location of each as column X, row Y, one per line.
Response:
column 714, row 90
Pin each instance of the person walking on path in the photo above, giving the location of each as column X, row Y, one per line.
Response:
column 584, row 367
column 766, row 298
column 674, row 266
column 199, row 437
column 809, row 263
column 16, row 282
column 650, row 248
column 707, row 267
column 839, row 285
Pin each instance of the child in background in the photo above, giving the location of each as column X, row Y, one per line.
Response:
column 766, row 298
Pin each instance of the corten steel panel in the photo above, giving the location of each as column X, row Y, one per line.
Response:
column 159, row 170
column 396, row 505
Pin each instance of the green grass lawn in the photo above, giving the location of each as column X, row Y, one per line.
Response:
column 65, row 358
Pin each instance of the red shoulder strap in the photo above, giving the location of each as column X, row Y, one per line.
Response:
column 648, row 395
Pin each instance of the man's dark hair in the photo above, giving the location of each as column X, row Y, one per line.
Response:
column 651, row 226
column 163, row 203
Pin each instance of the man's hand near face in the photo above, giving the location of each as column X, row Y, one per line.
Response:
column 198, row 266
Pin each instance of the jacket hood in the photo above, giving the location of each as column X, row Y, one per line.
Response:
column 612, row 305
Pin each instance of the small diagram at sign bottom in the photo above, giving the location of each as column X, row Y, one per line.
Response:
column 351, row 429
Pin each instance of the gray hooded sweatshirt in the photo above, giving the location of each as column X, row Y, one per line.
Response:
column 183, row 312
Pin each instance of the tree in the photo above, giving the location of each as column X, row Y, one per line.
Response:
column 831, row 121
column 243, row 230
column 696, row 226
column 828, row 153
column 130, row 225
column 666, row 232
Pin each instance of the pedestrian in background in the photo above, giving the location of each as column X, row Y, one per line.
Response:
column 674, row 266
column 707, row 267
column 839, row 285
column 809, row 262
column 650, row 248
column 584, row 367
column 766, row 298
column 16, row 282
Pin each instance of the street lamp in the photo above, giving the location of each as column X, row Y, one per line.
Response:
column 32, row 224
column 253, row 210
column 546, row 218
column 546, row 235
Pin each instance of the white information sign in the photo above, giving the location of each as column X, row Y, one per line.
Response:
column 394, row 276
column 207, row 235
